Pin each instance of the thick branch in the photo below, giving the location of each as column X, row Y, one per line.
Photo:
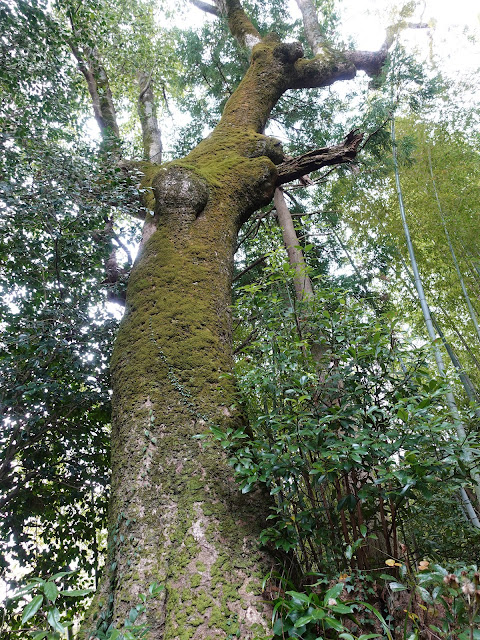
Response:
column 372, row 61
column 369, row 61
column 322, row 71
column 398, row 26
column 241, row 27
column 99, row 90
column 313, row 32
column 295, row 168
column 205, row 6
column 147, row 112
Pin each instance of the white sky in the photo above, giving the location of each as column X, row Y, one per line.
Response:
column 366, row 20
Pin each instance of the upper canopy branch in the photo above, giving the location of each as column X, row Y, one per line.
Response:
column 240, row 25
column 372, row 61
column 94, row 72
column 205, row 6
column 313, row 32
column 99, row 90
column 369, row 61
column 295, row 168
column 147, row 112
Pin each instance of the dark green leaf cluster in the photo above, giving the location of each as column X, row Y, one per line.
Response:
column 57, row 203
column 48, row 606
column 340, row 439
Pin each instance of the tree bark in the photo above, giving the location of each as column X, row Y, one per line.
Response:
column 176, row 517
column 147, row 112
column 301, row 280
column 183, row 521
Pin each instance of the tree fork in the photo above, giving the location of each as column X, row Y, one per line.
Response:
column 176, row 516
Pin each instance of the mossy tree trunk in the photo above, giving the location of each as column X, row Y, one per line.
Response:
column 176, row 517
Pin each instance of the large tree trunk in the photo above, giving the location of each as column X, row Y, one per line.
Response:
column 176, row 516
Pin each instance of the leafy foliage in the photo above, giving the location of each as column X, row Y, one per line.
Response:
column 348, row 443
column 56, row 333
column 48, row 606
column 350, row 432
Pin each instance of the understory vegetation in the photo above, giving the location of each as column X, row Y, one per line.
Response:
column 356, row 358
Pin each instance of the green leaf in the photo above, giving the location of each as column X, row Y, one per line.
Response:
column 341, row 608
column 304, row 620
column 299, row 597
column 32, row 607
column 333, row 624
column 133, row 614
column 50, row 590
column 440, row 569
column 53, row 619
column 39, row 635
column 346, row 636
column 436, row 592
column 334, row 592
column 76, row 593
column 397, row 586
column 61, row 574
column 378, row 615
column 319, row 614
column 465, row 635
column 386, row 576
column 278, row 627
column 155, row 589
column 21, row 592
column 425, row 595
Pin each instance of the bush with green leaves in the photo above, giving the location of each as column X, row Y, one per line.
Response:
column 323, row 613
column 47, row 613
column 346, row 441
column 443, row 601
column 47, row 610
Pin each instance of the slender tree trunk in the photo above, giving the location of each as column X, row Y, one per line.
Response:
column 459, row 427
column 301, row 281
column 471, row 310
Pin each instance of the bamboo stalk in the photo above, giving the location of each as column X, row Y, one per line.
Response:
column 471, row 310
column 460, row 429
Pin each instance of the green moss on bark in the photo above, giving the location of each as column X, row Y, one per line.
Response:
column 183, row 522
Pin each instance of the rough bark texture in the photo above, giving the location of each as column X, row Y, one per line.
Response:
column 176, row 517
column 295, row 168
column 313, row 33
column 183, row 521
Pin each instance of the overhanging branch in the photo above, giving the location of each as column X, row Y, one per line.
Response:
column 295, row 168
column 205, row 6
